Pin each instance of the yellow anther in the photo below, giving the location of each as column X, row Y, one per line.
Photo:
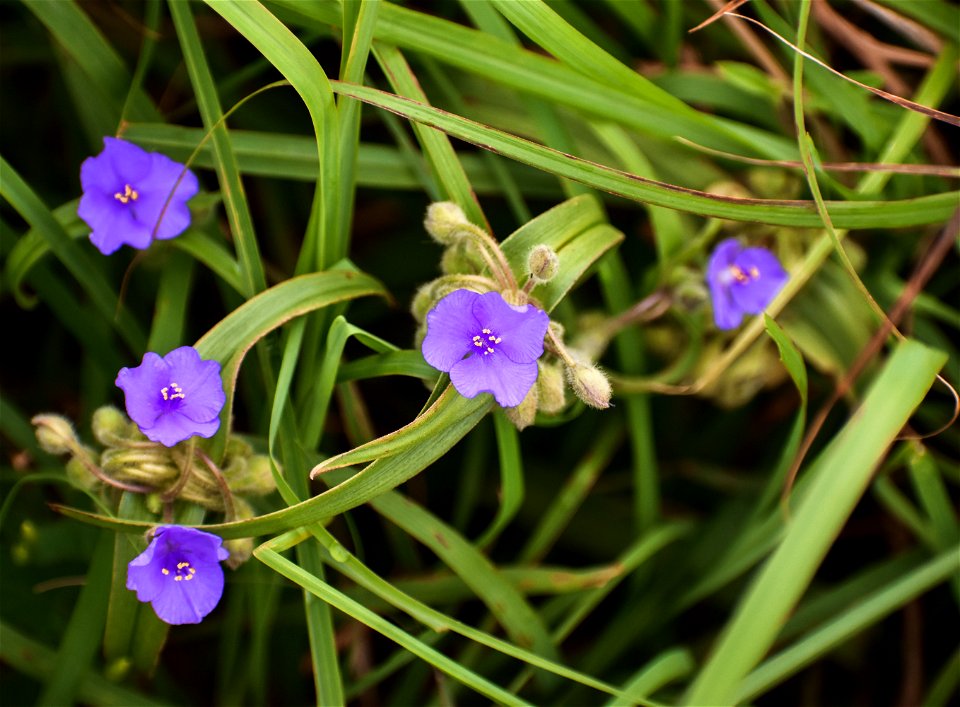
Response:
column 189, row 576
column 177, row 392
column 181, row 565
column 165, row 570
column 738, row 274
column 754, row 272
column 129, row 193
column 178, row 578
column 486, row 331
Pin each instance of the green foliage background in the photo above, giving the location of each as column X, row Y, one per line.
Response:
column 635, row 555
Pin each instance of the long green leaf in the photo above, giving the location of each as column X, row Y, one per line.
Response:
column 859, row 214
column 446, row 422
column 78, row 261
column 840, row 475
column 234, row 199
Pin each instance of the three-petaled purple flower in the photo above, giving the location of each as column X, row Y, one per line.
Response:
column 485, row 344
column 179, row 574
column 742, row 281
column 175, row 397
column 133, row 196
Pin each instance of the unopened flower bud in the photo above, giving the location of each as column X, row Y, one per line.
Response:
column 28, row 531
column 110, row 426
column 241, row 549
column 593, row 335
column 442, row 221
column 79, row 473
column 590, row 385
column 551, row 388
column 542, row 263
column 462, row 258
column 154, row 503
column 118, row 669
column 522, row 415
column 729, row 189
column 515, row 298
column 255, row 477
column 55, row 434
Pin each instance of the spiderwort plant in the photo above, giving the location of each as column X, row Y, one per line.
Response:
column 131, row 196
column 486, row 344
column 179, row 574
column 174, row 397
column 742, row 281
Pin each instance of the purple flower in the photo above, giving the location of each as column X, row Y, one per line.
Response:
column 125, row 193
column 487, row 345
column 174, row 397
column 742, row 281
column 179, row 574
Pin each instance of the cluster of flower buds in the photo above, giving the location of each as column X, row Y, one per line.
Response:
column 131, row 462
column 483, row 324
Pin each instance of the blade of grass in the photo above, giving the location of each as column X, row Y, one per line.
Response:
column 25, row 201
column 234, row 200
column 89, row 49
column 840, row 475
column 343, row 603
column 38, row 661
column 511, row 491
column 326, row 239
column 868, row 611
column 888, row 214
column 81, row 637
column 483, row 54
column 441, row 157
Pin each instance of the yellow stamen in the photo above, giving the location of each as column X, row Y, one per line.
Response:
column 177, row 392
column 739, row 275
column 129, row 193
column 165, row 570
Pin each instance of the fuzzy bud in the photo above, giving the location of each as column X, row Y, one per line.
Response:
column 551, row 388
column 241, row 549
column 515, row 298
column 110, row 426
column 78, row 473
column 443, row 220
column 593, row 335
column 522, row 415
column 542, row 263
column 254, row 477
column 55, row 434
column 462, row 258
column 590, row 385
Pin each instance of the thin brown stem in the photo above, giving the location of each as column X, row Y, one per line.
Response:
column 230, row 510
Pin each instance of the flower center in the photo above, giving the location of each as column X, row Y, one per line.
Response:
column 129, row 194
column 172, row 392
column 183, row 571
column 744, row 277
column 487, row 341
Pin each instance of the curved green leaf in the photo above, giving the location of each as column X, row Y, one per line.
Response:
column 802, row 214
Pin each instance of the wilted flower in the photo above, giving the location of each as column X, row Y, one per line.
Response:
column 179, row 574
column 125, row 195
column 175, row 397
column 742, row 281
column 487, row 345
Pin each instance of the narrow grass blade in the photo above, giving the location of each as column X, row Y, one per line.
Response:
column 867, row 611
column 340, row 601
column 860, row 214
column 841, row 474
